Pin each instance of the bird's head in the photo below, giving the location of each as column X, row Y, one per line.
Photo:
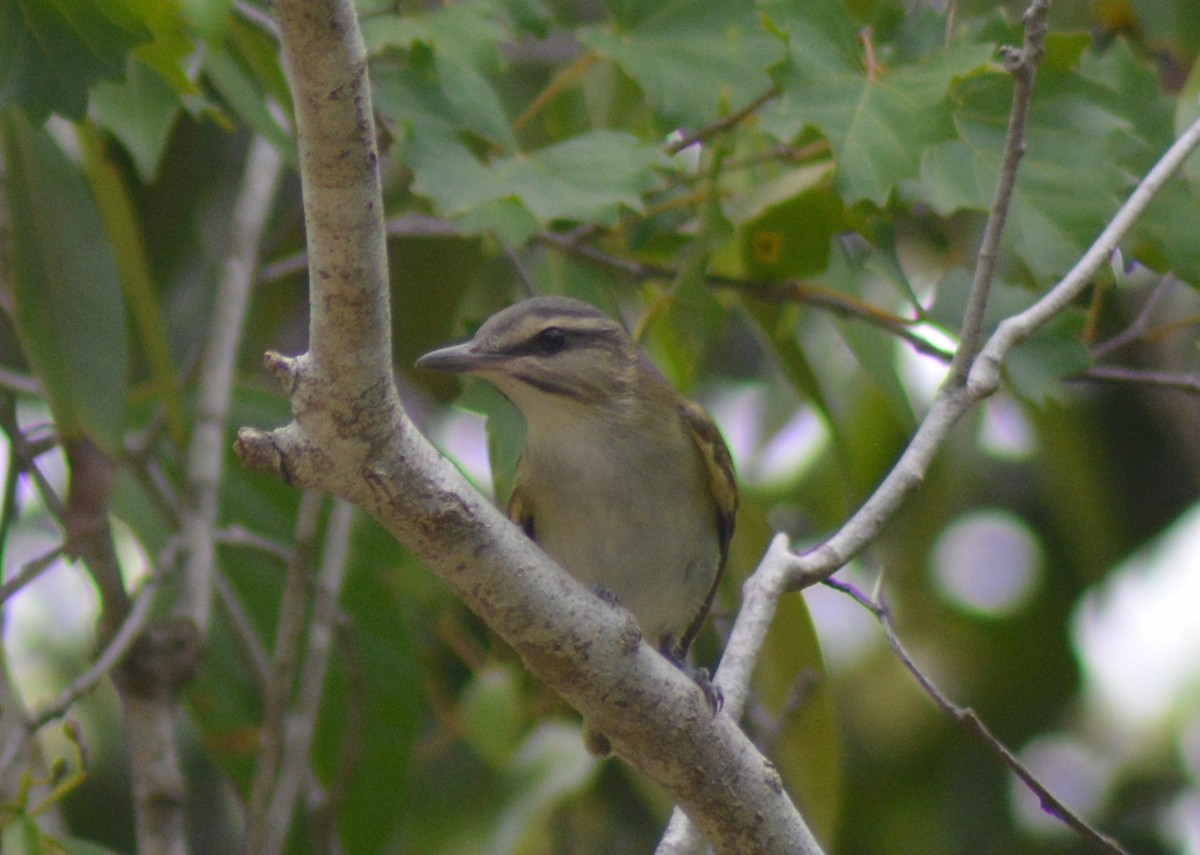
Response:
column 549, row 356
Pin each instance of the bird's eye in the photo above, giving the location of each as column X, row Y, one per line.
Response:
column 550, row 340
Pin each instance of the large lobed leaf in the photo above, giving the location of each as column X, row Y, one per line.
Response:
column 690, row 57
column 878, row 119
column 51, row 53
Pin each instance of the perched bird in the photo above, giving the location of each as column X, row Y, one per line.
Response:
column 623, row 481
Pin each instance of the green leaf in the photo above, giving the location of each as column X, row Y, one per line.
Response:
column 467, row 33
column 491, row 708
column 475, row 101
column 173, row 43
column 443, row 73
column 777, row 326
column 1164, row 238
column 69, row 311
column 550, row 766
column 140, row 113
column 876, row 355
column 244, row 95
column 52, row 53
column 792, row 239
column 124, row 228
column 507, row 219
column 761, row 196
column 505, row 433
column 692, row 313
column 1004, row 300
column 1036, row 366
column 878, row 120
column 76, row 846
column 440, row 103
column 1187, row 112
column 1071, row 178
column 589, row 178
column 21, row 837
column 1129, row 86
column 721, row 45
column 208, row 18
column 390, row 648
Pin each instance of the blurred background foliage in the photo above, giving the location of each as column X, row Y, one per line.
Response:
column 782, row 198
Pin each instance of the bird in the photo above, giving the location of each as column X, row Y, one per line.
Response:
column 622, row 480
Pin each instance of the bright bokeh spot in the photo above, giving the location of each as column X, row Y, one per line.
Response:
column 766, row 458
column 1138, row 635
column 462, row 434
column 848, row 632
column 922, row 373
column 1077, row 776
column 987, row 562
column 1182, row 823
column 50, row 621
column 1004, row 432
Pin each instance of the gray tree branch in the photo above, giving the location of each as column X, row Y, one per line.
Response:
column 351, row 437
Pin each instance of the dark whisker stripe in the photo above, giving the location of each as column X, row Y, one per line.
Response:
column 551, row 387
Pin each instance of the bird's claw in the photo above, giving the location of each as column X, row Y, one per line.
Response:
column 712, row 692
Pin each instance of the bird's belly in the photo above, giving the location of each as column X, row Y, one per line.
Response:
column 659, row 554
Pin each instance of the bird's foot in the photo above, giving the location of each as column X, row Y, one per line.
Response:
column 712, row 692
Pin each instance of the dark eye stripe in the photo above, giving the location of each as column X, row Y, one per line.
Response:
column 571, row 338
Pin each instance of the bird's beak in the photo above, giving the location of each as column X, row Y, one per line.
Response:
column 462, row 358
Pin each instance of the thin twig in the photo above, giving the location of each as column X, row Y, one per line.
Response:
column 1022, row 64
column 237, row 535
column 1140, row 327
column 518, row 266
column 871, row 65
column 561, row 82
column 29, row 571
column 301, row 720
column 289, row 637
column 89, row 535
column 781, row 153
column 123, row 638
column 15, row 381
column 25, row 455
column 1175, row 381
column 969, row 720
column 244, row 632
column 725, row 123
column 130, row 629
column 206, row 453
column 159, row 489
column 323, row 811
column 1019, row 327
